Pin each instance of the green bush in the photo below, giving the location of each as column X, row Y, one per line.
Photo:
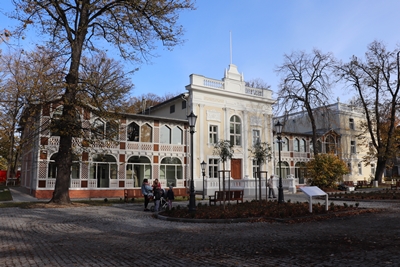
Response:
column 326, row 170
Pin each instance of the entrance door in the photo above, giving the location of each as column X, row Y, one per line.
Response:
column 102, row 175
column 236, row 168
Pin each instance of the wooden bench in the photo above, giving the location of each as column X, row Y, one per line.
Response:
column 363, row 183
column 229, row 195
column 132, row 193
column 395, row 185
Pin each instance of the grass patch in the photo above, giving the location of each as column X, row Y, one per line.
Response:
column 5, row 194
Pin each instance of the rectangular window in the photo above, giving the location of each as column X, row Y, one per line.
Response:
column 353, row 147
column 213, row 134
column 256, row 137
column 373, row 169
column 359, row 168
column 349, row 166
column 75, row 170
column 255, row 168
column 213, row 168
column 183, row 104
column 351, row 124
column 172, row 109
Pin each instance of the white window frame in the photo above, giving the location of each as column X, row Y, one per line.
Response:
column 212, row 134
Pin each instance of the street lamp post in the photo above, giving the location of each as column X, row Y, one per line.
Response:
column 192, row 201
column 278, row 128
column 203, row 169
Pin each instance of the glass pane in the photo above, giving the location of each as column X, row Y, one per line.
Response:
column 238, row 140
column 176, row 136
column 170, row 174
column 147, row 172
column 113, row 171
column 237, row 130
column 129, row 171
column 162, row 172
column 75, row 171
column 92, row 171
column 179, row 172
column 165, row 135
column 52, row 173
column 145, row 133
column 112, row 130
column 133, row 132
column 98, row 129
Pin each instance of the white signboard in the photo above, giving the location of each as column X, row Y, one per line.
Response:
column 314, row 191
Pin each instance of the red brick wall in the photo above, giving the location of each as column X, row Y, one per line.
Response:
column 106, row 193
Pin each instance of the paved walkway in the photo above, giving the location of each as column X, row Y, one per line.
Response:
column 124, row 235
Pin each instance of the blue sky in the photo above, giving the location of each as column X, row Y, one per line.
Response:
column 262, row 32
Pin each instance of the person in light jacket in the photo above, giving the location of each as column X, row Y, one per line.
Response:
column 270, row 187
column 147, row 193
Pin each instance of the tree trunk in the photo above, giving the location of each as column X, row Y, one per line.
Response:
column 380, row 169
column 64, row 163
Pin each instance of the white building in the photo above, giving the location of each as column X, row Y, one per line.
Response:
column 338, row 126
column 226, row 110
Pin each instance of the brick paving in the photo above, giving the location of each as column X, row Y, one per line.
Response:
column 124, row 235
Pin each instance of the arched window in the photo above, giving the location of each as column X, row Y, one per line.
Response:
column 146, row 133
column 102, row 130
column 52, row 168
column 112, row 130
column 171, row 170
column 133, row 132
column 136, row 133
column 137, row 169
column 284, row 167
column 98, row 130
column 285, row 144
column 103, row 168
column 177, row 135
column 330, row 145
column 303, row 145
column 165, row 135
column 235, row 130
column 296, row 145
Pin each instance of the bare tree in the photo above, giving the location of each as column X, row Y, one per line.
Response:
column 26, row 77
column 305, row 84
column 77, row 27
column 139, row 104
column 257, row 83
column 377, row 83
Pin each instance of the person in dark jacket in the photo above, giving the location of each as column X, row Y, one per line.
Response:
column 170, row 196
column 157, row 192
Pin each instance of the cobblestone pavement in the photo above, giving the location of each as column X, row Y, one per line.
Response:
column 124, row 235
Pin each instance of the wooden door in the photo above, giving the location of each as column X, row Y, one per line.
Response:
column 236, row 168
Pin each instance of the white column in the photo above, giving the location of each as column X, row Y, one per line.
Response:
column 245, row 131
